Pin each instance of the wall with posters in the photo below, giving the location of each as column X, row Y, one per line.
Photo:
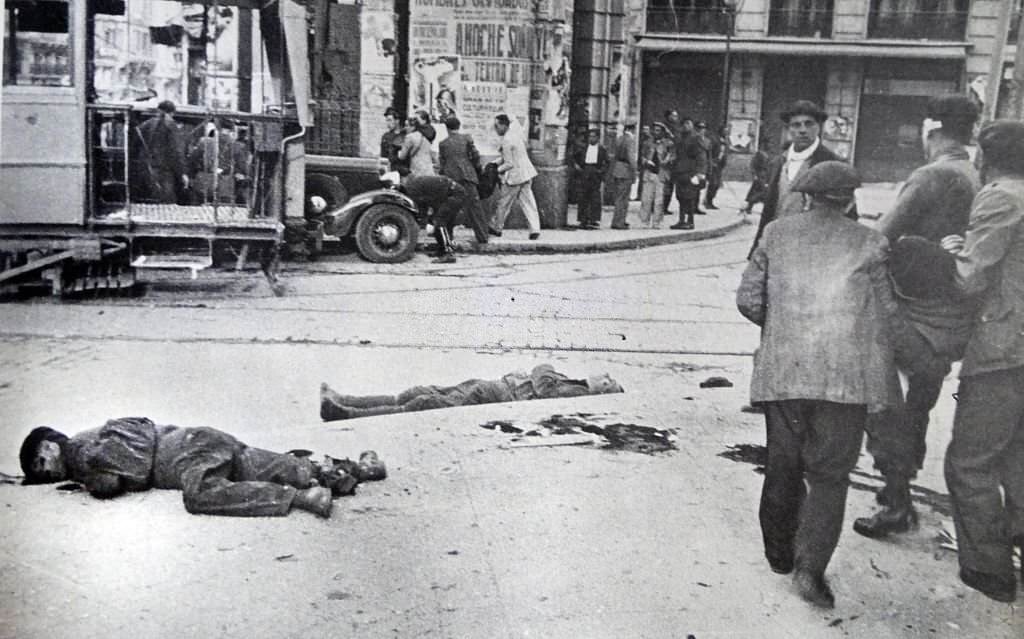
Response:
column 377, row 72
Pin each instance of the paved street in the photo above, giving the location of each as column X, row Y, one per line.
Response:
column 477, row 532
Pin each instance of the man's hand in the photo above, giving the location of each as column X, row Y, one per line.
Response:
column 953, row 244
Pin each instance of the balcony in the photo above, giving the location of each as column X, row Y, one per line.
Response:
column 682, row 16
column 918, row 25
column 786, row 21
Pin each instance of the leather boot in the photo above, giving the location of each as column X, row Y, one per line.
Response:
column 898, row 516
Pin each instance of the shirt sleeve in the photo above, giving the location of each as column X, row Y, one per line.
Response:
column 991, row 230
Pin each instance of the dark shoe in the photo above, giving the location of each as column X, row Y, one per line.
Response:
column 813, row 589
column 534, row 236
column 494, row 233
column 445, row 258
column 679, row 227
column 710, row 206
column 687, row 226
column 1003, row 589
column 781, row 566
column 371, row 468
column 316, row 500
column 887, row 521
column 700, row 212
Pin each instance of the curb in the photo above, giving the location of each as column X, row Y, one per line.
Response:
column 600, row 247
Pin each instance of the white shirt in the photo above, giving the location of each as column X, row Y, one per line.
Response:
column 591, row 154
column 795, row 159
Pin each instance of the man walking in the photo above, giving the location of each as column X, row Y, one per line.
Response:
column 591, row 164
column 460, row 161
column 623, row 174
column 517, row 173
column 803, row 122
column 934, row 202
column 819, row 288
column 689, row 173
column 985, row 459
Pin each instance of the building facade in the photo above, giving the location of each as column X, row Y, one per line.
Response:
column 872, row 65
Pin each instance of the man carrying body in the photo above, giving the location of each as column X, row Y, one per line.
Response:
column 803, row 122
column 164, row 154
column 217, row 474
column 460, row 161
column 689, row 173
column 590, row 163
column 623, row 174
column 819, row 288
column 934, row 202
column 517, row 173
column 543, row 382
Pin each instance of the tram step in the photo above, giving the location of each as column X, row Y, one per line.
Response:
column 185, row 261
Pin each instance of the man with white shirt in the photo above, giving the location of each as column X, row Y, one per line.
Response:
column 803, row 121
column 590, row 164
column 516, row 173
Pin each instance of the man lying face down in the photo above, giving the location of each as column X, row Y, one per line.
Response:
column 217, row 474
column 543, row 382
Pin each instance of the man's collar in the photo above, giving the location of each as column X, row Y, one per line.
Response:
column 950, row 151
column 799, row 156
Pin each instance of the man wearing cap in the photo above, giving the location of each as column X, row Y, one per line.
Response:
column 689, row 173
column 803, row 121
column 590, row 164
column 985, row 459
column 217, row 474
column 658, row 160
column 543, row 382
column 934, row 202
column 818, row 286
column 623, row 174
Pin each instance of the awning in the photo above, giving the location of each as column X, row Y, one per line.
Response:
column 293, row 17
column 808, row 48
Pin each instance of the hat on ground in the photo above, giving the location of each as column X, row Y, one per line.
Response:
column 804, row 107
column 30, row 447
column 1002, row 145
column 832, row 177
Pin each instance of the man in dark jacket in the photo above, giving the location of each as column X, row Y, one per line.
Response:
column 392, row 140
column 543, row 382
column 803, row 121
column 717, row 158
column 934, row 202
column 445, row 198
column 689, row 173
column 985, row 459
column 460, row 161
column 217, row 474
column 163, row 153
column 590, row 164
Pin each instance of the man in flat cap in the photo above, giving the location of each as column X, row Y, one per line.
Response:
column 803, row 121
column 934, row 202
column 217, row 474
column 818, row 286
column 985, row 459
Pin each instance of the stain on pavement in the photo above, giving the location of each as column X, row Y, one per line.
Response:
column 618, row 436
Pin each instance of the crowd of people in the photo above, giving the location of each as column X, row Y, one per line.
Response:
column 844, row 309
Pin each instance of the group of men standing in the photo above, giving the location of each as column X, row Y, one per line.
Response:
column 843, row 308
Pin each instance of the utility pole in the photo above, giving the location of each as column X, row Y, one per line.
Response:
column 995, row 72
column 1018, row 77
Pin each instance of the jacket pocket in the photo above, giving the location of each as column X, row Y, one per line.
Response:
column 997, row 335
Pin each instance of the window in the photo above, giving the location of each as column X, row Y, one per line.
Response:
column 37, row 43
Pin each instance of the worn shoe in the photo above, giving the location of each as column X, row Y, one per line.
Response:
column 813, row 589
column 371, row 468
column 494, row 232
column 1002, row 589
column 534, row 236
column 679, row 227
column 445, row 258
column 700, row 212
column 316, row 500
column 887, row 521
column 781, row 566
column 623, row 227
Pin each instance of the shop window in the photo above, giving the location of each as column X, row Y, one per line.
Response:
column 37, row 43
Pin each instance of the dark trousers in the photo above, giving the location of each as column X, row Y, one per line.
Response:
column 666, row 196
column 474, row 210
column 622, row 188
column 897, row 437
column 816, row 442
column 986, row 454
column 589, row 207
column 688, row 196
column 445, row 214
column 714, row 183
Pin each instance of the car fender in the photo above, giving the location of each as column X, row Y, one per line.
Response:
column 342, row 220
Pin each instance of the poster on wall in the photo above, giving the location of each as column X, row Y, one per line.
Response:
column 479, row 103
column 377, row 71
column 742, row 135
column 557, row 65
column 434, row 85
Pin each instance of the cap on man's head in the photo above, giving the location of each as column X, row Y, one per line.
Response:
column 1002, row 145
column 804, row 107
column 701, row 124
column 30, row 448
column 167, row 106
column 664, row 127
column 828, row 178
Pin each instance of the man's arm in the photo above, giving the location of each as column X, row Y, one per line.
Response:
column 474, row 155
column 406, row 149
column 700, row 158
column 882, row 285
column 443, row 150
column 751, row 296
column 994, row 221
column 914, row 198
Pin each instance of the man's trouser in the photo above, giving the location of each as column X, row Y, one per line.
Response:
column 986, row 453
column 817, row 442
column 650, row 199
column 589, row 207
column 714, row 183
column 221, row 476
column 622, row 187
column 897, row 437
column 523, row 194
column 445, row 215
column 474, row 211
column 688, row 196
column 666, row 195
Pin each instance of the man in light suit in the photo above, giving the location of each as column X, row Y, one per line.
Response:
column 623, row 174
column 517, row 173
column 460, row 161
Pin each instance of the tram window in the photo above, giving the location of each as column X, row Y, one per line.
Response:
column 37, row 43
